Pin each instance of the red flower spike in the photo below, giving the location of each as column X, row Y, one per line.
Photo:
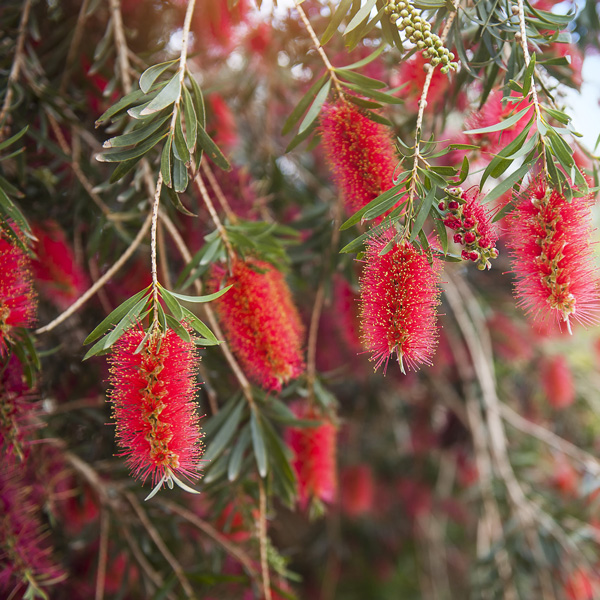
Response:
column 557, row 381
column 399, row 294
column 359, row 152
column 314, row 460
column 552, row 257
column 57, row 274
column 260, row 322
column 26, row 559
column 357, row 487
column 17, row 299
column 153, row 406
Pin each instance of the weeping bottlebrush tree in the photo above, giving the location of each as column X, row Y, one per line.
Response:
column 297, row 300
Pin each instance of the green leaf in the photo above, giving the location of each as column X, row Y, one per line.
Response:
column 123, row 104
column 225, row 434
column 442, row 234
column 95, row 349
column 135, row 152
column 165, row 161
column 114, row 317
column 180, row 148
column 178, row 328
column 359, row 79
column 336, row 20
column 207, row 298
column 502, row 125
column 303, row 105
column 561, row 149
column 180, row 176
column 137, row 135
column 198, row 100
column 212, row 425
column 358, row 215
column 374, row 94
column 360, row 16
column 199, row 327
column 10, row 209
column 167, row 96
column 173, row 196
column 505, row 185
column 299, row 138
column 361, row 239
column 315, row 109
column 382, row 207
column 127, row 321
column 191, row 121
column 237, row 455
column 206, row 142
column 422, row 214
column 123, row 168
column 366, row 60
column 528, row 76
column 14, row 138
column 172, row 304
column 150, row 75
column 258, row 443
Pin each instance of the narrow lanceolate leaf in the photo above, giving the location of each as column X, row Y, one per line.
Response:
column 528, row 76
column 180, row 147
column 135, row 152
column 237, row 455
column 357, row 216
column 199, row 327
column 127, row 321
column 303, row 105
column 315, row 109
column 165, row 161
column 207, row 144
column 173, row 196
column 137, row 135
column 191, row 121
column 150, row 75
column 502, row 125
column 198, row 101
column 360, row 16
column 172, row 304
column 358, row 79
column 122, row 105
column 114, row 317
column 178, row 328
column 14, row 138
column 336, row 20
column 180, row 176
column 165, row 97
column 223, row 436
column 422, row 214
column 206, row 298
column 258, row 443
column 505, row 185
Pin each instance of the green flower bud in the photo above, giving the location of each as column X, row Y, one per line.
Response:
column 410, row 31
column 394, row 17
column 444, row 70
column 435, row 61
column 404, row 13
column 421, row 45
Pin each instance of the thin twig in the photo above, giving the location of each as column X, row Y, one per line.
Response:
column 92, row 290
column 319, row 48
column 102, row 553
column 73, row 47
column 235, row 551
column 153, row 227
column 121, row 43
column 213, row 215
column 160, row 544
column 262, row 538
column 214, row 184
column 17, row 61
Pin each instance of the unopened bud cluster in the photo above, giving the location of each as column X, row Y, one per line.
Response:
column 468, row 219
column 418, row 31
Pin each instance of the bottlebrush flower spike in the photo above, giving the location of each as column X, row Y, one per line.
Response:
column 399, row 294
column 314, row 460
column 57, row 274
column 260, row 322
column 359, row 152
column 17, row 299
column 25, row 560
column 472, row 225
column 17, row 410
column 153, row 406
column 557, row 381
column 552, row 256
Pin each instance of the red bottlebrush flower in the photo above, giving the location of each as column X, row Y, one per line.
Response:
column 510, row 342
column 564, row 476
column 260, row 322
column 359, row 152
column 17, row 300
column 357, row 490
column 557, row 381
column 233, row 525
column 222, row 122
column 399, row 294
column 153, row 406
column 552, row 256
column 25, row 560
column 314, row 460
column 473, row 226
column 57, row 274
column 17, row 410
